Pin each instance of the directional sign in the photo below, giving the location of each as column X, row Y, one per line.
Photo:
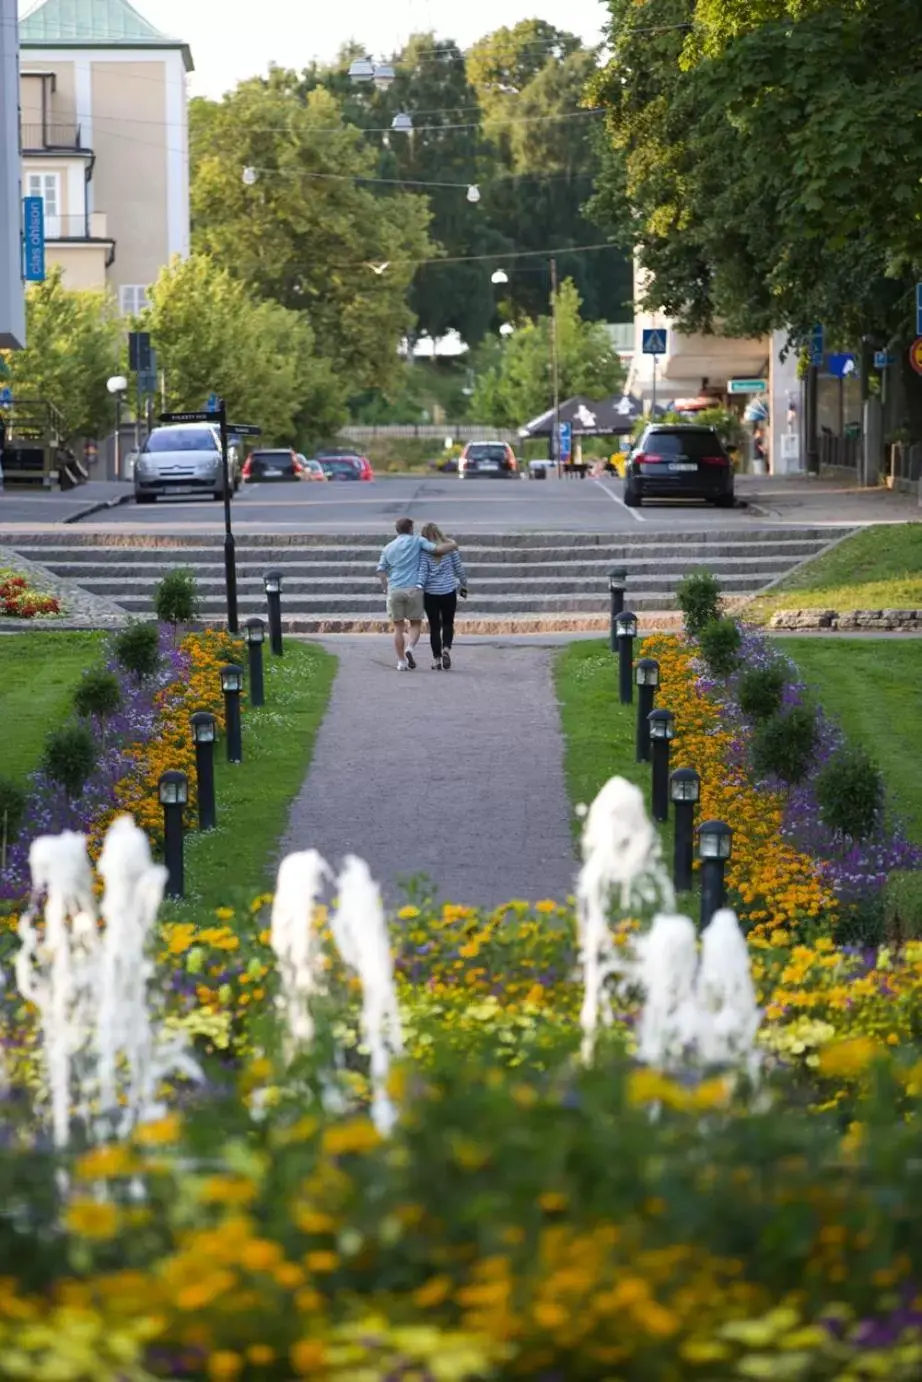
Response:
column 747, row 385
column 6, row 397
column 139, row 352
column 244, row 429
column 190, row 417
column 919, row 309
column 915, row 355
column 147, row 381
column 883, row 360
column 654, row 341
column 212, row 403
column 841, row 366
column 33, row 210
column 817, row 345
column 566, row 440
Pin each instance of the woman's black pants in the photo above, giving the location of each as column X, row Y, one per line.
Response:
column 440, row 611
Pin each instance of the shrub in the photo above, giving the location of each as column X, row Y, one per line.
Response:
column 176, row 599
column 12, row 810
column 850, row 792
column 761, row 691
column 98, row 694
column 70, row 757
column 903, row 907
column 784, row 745
column 699, row 600
column 137, row 649
column 719, row 642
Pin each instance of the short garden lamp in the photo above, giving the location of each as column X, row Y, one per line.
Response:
column 662, row 732
column 204, row 733
column 684, row 790
column 715, row 845
column 617, row 583
column 232, row 685
column 254, row 634
column 646, row 675
column 273, row 583
column 173, row 790
column 625, row 633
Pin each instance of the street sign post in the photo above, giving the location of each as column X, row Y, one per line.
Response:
column 33, row 212
column 566, row 441
column 915, row 355
column 919, row 309
column 212, row 402
column 653, row 342
column 218, row 418
column 817, row 346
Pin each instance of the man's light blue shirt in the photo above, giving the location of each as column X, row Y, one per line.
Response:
column 400, row 560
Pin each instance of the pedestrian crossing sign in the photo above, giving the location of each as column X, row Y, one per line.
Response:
column 654, row 341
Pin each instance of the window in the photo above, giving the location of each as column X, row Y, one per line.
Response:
column 180, row 439
column 132, row 299
column 48, row 187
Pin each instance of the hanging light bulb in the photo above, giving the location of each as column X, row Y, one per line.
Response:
column 506, row 329
column 249, row 176
column 402, row 123
column 473, row 193
column 499, row 276
column 362, row 70
column 384, row 76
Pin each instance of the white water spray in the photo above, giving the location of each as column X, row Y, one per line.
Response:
column 296, row 942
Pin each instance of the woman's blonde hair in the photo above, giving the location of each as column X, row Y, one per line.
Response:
column 433, row 533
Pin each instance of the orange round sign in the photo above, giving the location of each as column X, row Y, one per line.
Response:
column 915, row 355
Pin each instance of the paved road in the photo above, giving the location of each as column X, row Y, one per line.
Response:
column 457, row 775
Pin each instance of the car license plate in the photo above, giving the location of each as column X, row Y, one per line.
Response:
column 183, row 489
column 272, row 470
column 683, row 465
column 489, row 465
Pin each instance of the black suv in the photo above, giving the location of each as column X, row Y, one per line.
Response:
column 672, row 461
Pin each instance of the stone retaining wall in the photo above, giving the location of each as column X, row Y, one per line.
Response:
column 869, row 620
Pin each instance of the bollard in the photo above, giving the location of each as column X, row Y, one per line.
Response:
column 254, row 633
column 715, row 845
column 685, row 790
column 204, row 730
column 273, row 584
column 662, row 732
column 626, row 632
column 232, row 685
column 173, row 790
column 646, row 674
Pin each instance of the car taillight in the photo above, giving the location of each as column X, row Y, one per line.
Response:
column 713, row 460
column 647, row 457
column 247, row 468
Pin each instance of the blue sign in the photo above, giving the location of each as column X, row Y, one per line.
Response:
column 566, row 440
column 882, row 360
column 654, row 341
column 33, row 209
column 212, row 403
column 841, row 366
column 919, row 309
column 6, row 397
column 817, row 345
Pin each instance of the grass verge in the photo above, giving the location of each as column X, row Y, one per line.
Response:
column 877, row 568
column 38, row 674
column 230, row 865
column 872, row 689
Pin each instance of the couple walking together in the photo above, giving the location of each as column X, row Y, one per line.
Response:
column 420, row 574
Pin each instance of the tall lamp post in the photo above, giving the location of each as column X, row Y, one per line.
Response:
column 715, row 845
column 117, row 387
column 646, row 674
column 626, row 632
column 662, row 732
column 685, row 789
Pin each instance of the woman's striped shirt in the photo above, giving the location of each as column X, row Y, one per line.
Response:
column 441, row 575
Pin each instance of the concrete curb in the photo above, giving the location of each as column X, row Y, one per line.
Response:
column 101, row 506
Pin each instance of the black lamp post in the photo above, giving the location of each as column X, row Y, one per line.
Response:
column 617, row 581
column 173, row 789
column 625, row 633
column 662, row 732
column 232, row 685
column 204, row 730
column 646, row 674
column 254, row 633
column 684, row 789
column 273, row 584
column 715, row 845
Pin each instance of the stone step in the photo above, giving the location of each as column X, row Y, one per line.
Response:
column 213, row 606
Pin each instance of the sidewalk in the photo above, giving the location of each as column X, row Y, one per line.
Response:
column 457, row 775
column 39, row 508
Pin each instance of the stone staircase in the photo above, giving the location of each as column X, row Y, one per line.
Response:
column 547, row 580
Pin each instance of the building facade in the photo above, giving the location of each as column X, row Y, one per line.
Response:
column 12, row 312
column 104, row 132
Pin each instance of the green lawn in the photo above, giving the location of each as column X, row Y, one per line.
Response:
column 38, row 673
column 872, row 688
column 877, row 568
column 230, row 865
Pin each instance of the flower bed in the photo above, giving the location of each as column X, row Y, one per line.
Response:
column 20, row 600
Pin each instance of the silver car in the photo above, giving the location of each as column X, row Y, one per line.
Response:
column 184, row 459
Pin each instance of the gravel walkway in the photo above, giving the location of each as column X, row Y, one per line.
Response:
column 456, row 775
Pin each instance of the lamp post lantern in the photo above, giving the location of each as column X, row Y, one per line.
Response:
column 204, row 732
column 625, row 633
column 173, row 790
column 117, row 387
column 646, row 674
column 617, row 581
column 273, row 583
column 685, row 790
column 662, row 732
column 254, row 633
column 715, row 845
column 232, row 685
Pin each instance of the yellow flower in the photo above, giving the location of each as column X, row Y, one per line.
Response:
column 847, row 1058
column 91, row 1219
column 224, row 1364
column 236, row 1190
column 105, row 1163
column 321, row 1261
column 261, row 1355
column 357, row 1135
column 224, row 913
column 261, row 1255
column 314, row 1221
column 159, row 1134
column 552, row 1202
column 408, row 913
column 433, row 1292
column 546, row 905
column 548, row 1314
column 308, row 1356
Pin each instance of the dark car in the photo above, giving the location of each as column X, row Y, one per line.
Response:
column 361, row 463
column 491, row 458
column 679, row 462
column 340, row 467
column 276, row 463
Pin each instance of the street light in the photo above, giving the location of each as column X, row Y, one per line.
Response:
column 118, row 387
column 473, row 193
column 384, row 76
column 662, row 732
column 273, row 583
column 625, row 633
column 173, row 790
column 254, row 633
column 232, row 685
column 249, row 177
column 715, row 845
column 617, row 582
column 646, row 674
column 362, row 70
column 402, row 123
column 507, row 329
column 204, row 730
column 685, row 790
column 499, row 276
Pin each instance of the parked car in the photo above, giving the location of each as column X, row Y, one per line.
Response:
column 541, row 469
column 679, row 461
column 493, row 458
column 311, row 469
column 184, row 458
column 361, row 463
column 340, row 467
column 272, row 464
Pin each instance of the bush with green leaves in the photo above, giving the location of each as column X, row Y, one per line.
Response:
column 137, row 649
column 698, row 597
column 12, row 809
column 903, row 907
column 70, row 757
column 850, row 792
column 761, row 691
column 784, row 746
column 720, row 642
column 176, row 598
column 98, row 694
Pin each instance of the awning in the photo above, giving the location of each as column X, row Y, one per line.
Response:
column 607, row 417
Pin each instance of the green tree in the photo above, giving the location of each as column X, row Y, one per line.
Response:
column 517, row 384
column 307, row 232
column 73, row 345
column 210, row 333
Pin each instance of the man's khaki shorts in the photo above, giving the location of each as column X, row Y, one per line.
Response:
column 405, row 604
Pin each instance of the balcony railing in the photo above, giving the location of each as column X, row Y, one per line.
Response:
column 54, row 135
column 92, row 227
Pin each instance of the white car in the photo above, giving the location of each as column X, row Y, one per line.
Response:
column 184, row 458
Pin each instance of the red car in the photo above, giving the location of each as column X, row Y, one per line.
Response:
column 333, row 462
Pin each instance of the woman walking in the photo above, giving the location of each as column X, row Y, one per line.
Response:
column 441, row 579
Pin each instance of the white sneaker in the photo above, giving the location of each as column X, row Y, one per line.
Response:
column 401, row 666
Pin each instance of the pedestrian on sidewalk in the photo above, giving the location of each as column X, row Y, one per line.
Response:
column 441, row 579
column 398, row 569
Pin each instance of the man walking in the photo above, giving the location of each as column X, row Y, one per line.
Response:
column 398, row 569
